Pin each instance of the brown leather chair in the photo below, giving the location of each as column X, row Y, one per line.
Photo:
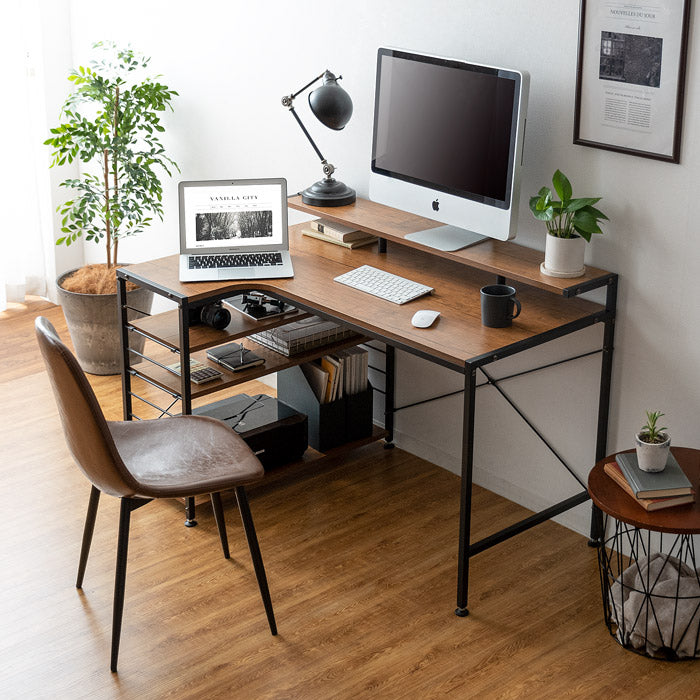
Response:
column 137, row 461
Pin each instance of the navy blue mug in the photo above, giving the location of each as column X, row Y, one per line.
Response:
column 498, row 305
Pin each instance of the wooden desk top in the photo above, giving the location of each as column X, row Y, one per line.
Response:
column 611, row 499
column 457, row 336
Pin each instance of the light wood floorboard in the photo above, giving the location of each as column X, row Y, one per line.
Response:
column 361, row 560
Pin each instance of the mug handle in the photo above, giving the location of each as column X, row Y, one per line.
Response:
column 517, row 306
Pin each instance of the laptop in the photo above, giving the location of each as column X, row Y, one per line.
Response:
column 234, row 230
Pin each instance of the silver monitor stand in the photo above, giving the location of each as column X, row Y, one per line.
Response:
column 446, row 238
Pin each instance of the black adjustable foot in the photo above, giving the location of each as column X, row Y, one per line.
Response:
column 461, row 612
column 388, row 445
column 189, row 512
column 597, row 532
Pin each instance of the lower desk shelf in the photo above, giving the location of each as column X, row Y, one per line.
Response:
column 274, row 362
column 311, row 463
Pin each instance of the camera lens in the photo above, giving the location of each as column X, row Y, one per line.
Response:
column 215, row 315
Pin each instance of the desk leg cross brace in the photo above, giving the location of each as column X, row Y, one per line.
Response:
column 466, row 548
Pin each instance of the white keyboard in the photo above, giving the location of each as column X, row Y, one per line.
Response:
column 384, row 285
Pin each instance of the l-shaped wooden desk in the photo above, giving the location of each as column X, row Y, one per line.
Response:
column 551, row 308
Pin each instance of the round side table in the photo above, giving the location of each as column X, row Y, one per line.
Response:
column 648, row 571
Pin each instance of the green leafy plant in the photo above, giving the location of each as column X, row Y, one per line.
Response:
column 566, row 217
column 112, row 120
column 650, row 432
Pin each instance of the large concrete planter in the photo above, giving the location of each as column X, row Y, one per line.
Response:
column 93, row 324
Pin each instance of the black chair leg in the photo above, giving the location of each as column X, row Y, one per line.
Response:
column 87, row 534
column 218, row 509
column 252, row 538
column 127, row 505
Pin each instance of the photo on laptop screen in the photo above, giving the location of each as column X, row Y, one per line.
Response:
column 233, row 229
column 231, row 215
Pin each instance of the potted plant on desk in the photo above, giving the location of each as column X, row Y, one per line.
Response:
column 117, row 133
column 652, row 444
column 570, row 224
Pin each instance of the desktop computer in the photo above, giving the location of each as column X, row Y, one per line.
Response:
column 448, row 145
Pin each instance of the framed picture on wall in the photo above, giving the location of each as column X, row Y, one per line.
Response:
column 631, row 75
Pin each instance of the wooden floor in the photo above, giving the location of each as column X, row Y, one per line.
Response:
column 361, row 560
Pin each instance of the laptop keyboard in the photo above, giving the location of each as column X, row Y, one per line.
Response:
column 203, row 262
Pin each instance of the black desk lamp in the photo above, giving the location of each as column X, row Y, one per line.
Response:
column 332, row 106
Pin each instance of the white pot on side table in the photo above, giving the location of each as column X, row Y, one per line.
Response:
column 652, row 456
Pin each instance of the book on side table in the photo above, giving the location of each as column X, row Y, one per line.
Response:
column 612, row 469
column 672, row 481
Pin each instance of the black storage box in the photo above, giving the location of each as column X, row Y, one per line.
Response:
column 273, row 430
column 330, row 424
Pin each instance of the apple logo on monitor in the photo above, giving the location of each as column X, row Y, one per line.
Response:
column 436, row 205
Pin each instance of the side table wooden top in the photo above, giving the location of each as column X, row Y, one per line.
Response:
column 611, row 499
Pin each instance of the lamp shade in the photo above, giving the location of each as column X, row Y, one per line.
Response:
column 330, row 104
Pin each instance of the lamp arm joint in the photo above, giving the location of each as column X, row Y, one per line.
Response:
column 308, row 85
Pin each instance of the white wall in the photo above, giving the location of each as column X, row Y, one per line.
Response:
column 232, row 61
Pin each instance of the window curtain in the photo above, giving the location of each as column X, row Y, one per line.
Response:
column 24, row 160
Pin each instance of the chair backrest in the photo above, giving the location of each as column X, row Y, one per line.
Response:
column 84, row 424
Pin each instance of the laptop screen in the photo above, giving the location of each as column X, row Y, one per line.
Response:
column 225, row 216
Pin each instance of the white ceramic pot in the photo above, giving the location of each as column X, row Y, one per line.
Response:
column 563, row 257
column 652, row 457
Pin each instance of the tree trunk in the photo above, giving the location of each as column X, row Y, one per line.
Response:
column 115, row 167
column 108, row 226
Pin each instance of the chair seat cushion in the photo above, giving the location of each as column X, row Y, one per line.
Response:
column 184, row 456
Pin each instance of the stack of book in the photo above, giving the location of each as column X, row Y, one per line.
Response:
column 651, row 490
column 339, row 374
column 337, row 234
column 298, row 336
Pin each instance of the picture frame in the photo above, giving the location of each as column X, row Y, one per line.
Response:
column 630, row 76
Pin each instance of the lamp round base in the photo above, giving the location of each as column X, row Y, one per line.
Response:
column 328, row 193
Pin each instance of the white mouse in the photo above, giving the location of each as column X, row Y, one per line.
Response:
column 424, row 318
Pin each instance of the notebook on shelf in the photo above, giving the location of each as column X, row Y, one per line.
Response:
column 233, row 230
column 234, row 357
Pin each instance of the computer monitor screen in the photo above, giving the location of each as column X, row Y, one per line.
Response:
column 447, row 141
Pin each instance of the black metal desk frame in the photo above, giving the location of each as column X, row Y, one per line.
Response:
column 470, row 370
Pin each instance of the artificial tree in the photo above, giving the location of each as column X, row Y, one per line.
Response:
column 111, row 122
